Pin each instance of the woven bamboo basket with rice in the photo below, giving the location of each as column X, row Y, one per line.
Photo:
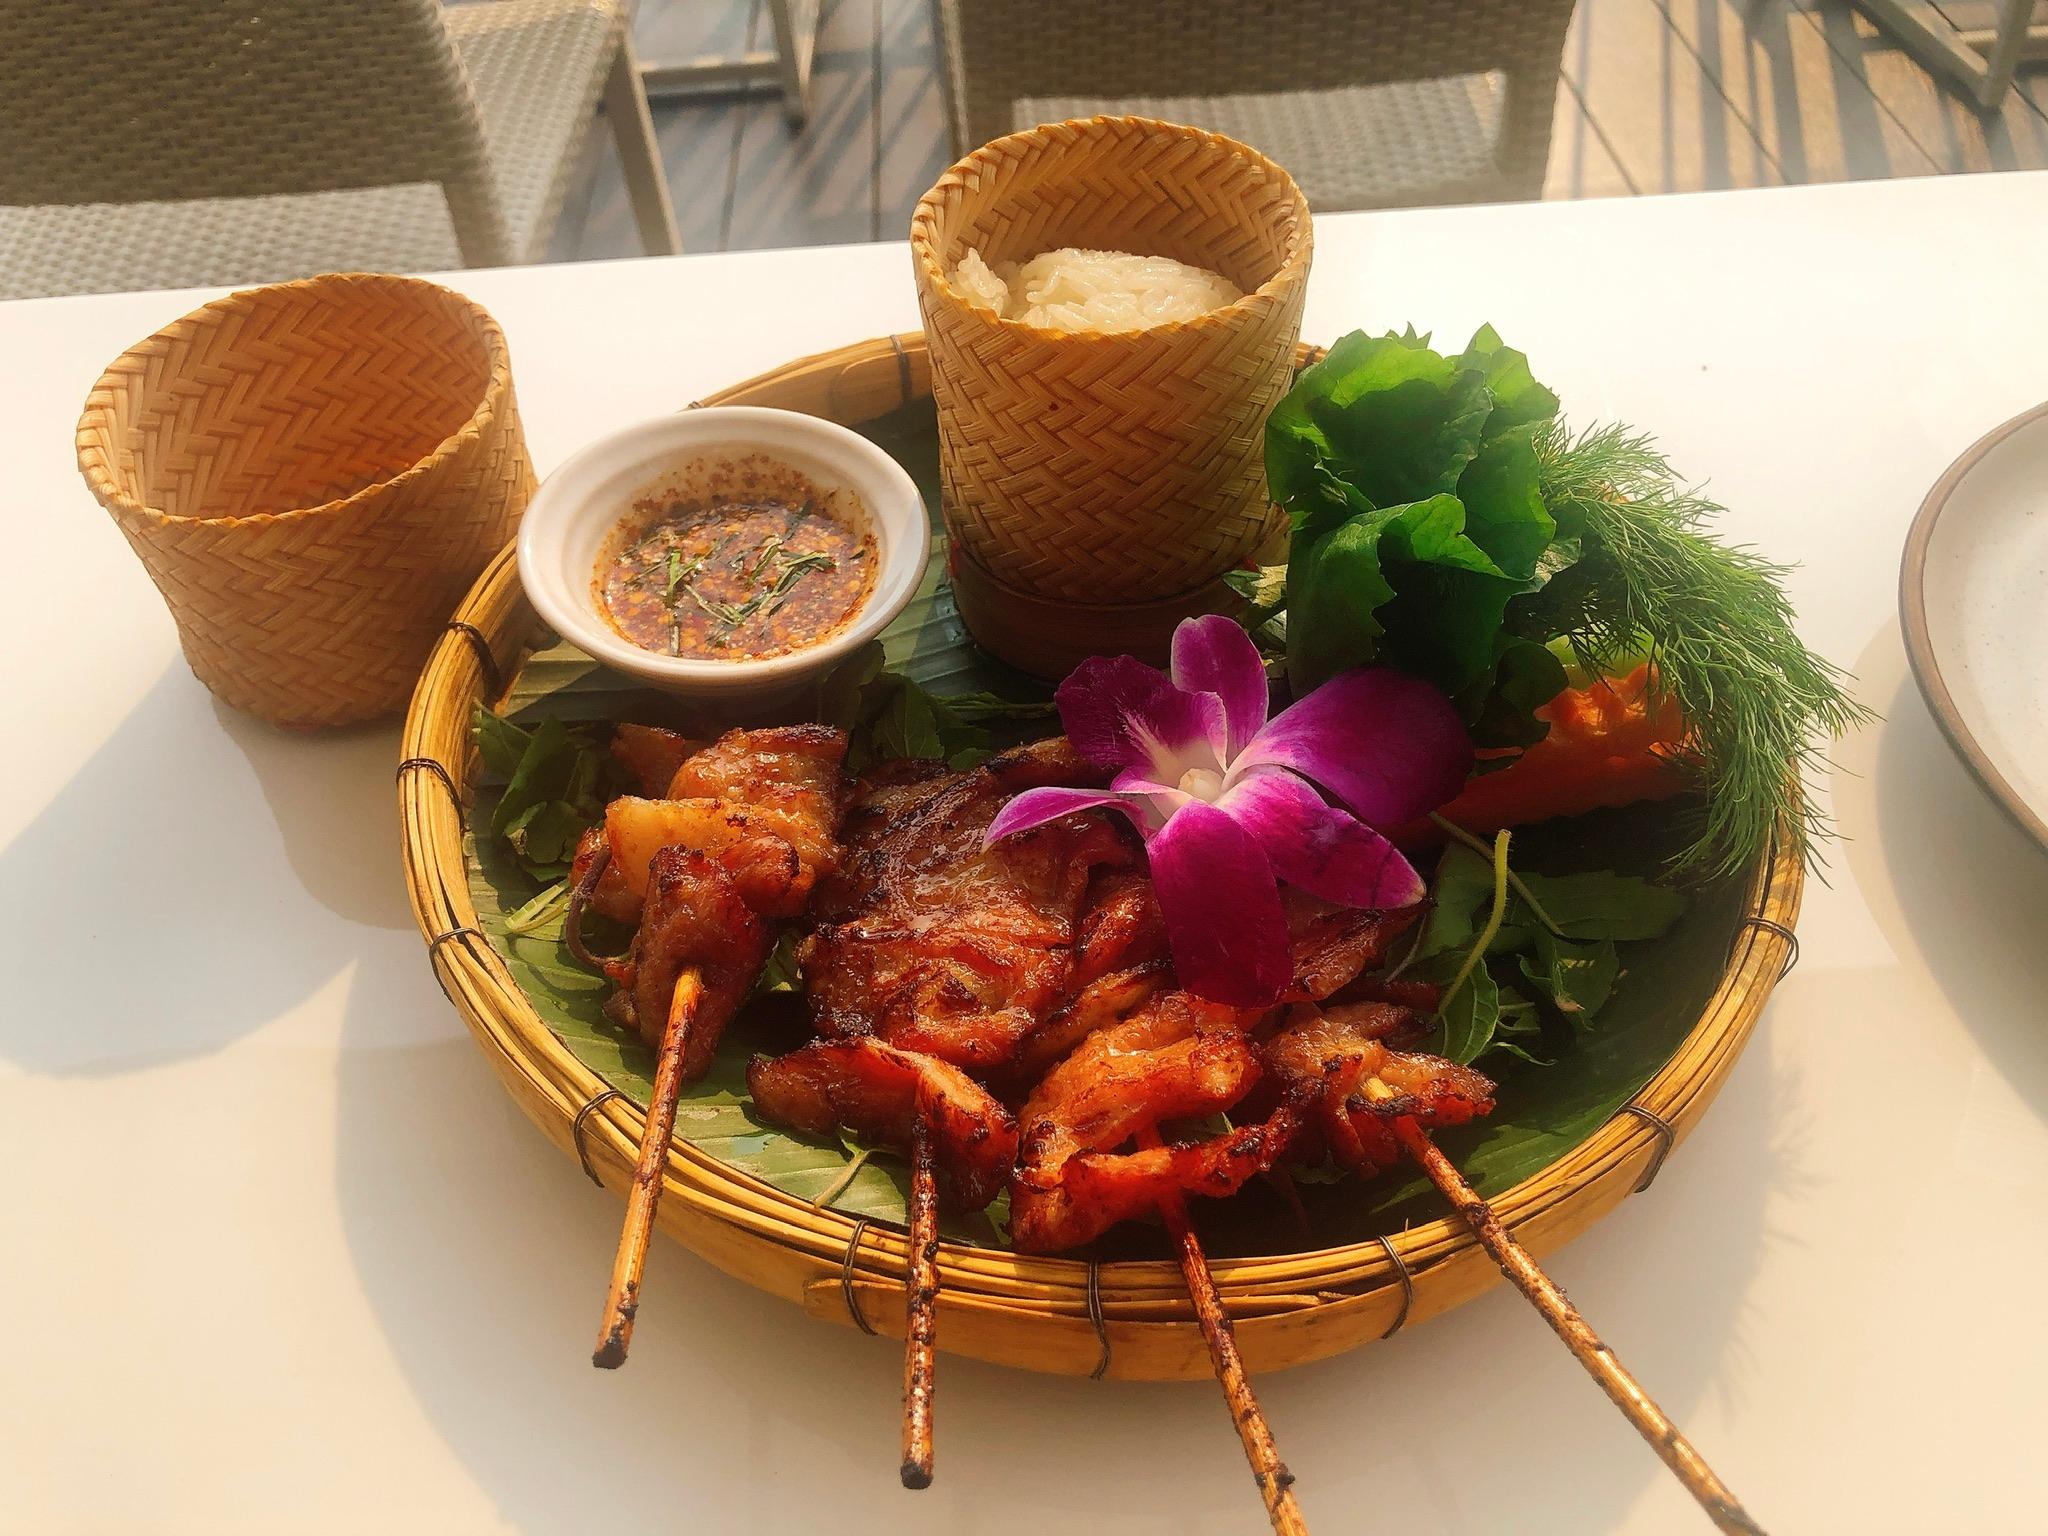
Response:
column 313, row 474
column 1134, row 1321
column 1098, row 484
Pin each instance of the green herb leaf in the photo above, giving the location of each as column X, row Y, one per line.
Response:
column 1600, row 906
column 1466, row 1025
column 1517, row 397
column 501, row 743
column 1414, row 528
column 1717, row 625
column 556, row 789
column 1392, row 418
column 1577, row 978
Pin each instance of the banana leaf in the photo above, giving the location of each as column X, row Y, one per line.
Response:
column 1544, row 1110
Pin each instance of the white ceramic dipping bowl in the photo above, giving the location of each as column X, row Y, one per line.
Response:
column 574, row 514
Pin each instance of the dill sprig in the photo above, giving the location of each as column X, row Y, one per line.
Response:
column 1717, row 627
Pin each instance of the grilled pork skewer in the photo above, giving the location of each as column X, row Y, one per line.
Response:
column 920, row 1309
column 962, row 1143
column 745, row 830
column 1627, row 1394
column 1276, row 1483
column 933, row 943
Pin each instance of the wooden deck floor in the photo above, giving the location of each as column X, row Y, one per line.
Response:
column 1658, row 96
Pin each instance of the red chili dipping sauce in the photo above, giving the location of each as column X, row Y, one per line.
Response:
column 761, row 565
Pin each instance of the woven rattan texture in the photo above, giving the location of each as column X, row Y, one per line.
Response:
column 313, row 474
column 172, row 145
column 1400, row 144
column 1101, row 467
column 140, row 100
column 998, row 52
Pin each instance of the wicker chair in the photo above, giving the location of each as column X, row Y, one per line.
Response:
column 167, row 143
column 1368, row 103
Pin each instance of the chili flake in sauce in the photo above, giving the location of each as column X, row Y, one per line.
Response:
column 736, row 579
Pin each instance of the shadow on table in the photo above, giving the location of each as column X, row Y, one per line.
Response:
column 483, row 1251
column 159, row 847
column 1947, row 877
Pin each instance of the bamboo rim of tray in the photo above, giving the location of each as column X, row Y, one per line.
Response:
column 1022, row 1310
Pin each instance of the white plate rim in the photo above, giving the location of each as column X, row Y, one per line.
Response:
column 1920, row 652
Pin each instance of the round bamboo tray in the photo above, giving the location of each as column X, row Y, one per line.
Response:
column 1017, row 1310
column 313, row 473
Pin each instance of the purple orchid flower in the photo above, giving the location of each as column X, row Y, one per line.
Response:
column 1230, row 803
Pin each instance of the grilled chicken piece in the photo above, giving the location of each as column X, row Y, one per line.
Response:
column 877, row 1091
column 766, row 804
column 1318, row 1065
column 1172, row 1057
column 1120, row 960
column 650, row 755
column 706, row 876
column 935, row 943
column 695, row 920
column 1333, row 946
column 1099, row 1190
column 1109, row 1098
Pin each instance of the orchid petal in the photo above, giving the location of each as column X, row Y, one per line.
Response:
column 1164, row 798
column 1214, row 655
column 1050, row 802
column 1222, row 908
column 1389, row 746
column 1312, row 844
column 1120, row 713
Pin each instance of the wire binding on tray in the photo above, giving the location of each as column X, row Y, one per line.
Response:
column 434, row 944
column 486, row 658
column 576, row 1131
column 1407, row 1286
column 1665, row 1137
column 846, row 1279
column 1770, row 925
column 1096, row 1321
column 902, row 372
column 440, row 771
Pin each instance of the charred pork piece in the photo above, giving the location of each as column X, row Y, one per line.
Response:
column 1318, row 1067
column 650, row 755
column 705, row 876
column 765, row 803
column 933, row 942
column 878, row 1092
column 1172, row 1057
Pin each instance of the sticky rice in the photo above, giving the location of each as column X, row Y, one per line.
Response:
column 1073, row 290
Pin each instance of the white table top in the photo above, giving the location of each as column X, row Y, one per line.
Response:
column 279, row 1254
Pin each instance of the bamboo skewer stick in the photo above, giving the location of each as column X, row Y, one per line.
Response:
column 1627, row 1394
column 920, row 1300
column 622, row 1300
column 1276, row 1483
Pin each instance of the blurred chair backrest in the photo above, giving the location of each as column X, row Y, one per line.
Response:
column 1001, row 51
column 121, row 101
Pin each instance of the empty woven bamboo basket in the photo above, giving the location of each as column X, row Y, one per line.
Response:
column 1097, row 484
column 313, row 474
